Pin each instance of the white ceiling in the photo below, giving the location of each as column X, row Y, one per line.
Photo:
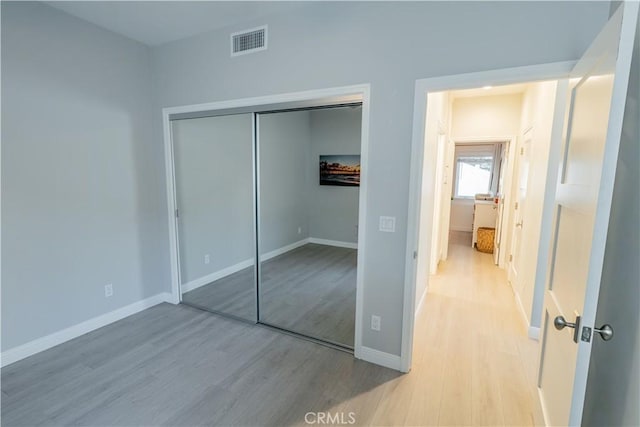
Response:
column 157, row 22
column 496, row 90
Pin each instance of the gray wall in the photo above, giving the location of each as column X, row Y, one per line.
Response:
column 82, row 202
column 388, row 45
column 613, row 387
column 333, row 211
column 283, row 154
column 214, row 192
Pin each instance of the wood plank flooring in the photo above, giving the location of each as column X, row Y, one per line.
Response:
column 178, row 366
column 310, row 290
column 473, row 363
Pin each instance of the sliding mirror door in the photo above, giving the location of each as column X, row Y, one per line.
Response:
column 215, row 198
column 309, row 164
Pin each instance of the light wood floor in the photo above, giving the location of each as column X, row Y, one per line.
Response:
column 176, row 365
column 310, row 290
column 473, row 363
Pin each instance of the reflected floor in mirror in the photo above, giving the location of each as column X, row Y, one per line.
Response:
column 310, row 290
column 233, row 295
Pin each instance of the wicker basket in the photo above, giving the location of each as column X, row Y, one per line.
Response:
column 485, row 239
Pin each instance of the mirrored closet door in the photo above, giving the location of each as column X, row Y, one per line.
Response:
column 214, row 179
column 309, row 170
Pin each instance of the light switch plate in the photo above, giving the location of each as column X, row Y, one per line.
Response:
column 388, row 224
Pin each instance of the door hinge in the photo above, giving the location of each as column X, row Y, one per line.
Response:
column 177, row 213
column 521, row 151
column 510, row 257
column 516, row 208
column 415, row 254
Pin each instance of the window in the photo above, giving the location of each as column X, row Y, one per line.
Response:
column 477, row 169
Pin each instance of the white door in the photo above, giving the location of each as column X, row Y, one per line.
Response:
column 515, row 258
column 583, row 203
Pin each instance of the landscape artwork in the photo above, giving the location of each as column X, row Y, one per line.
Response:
column 342, row 170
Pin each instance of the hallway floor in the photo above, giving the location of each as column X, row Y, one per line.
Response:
column 473, row 363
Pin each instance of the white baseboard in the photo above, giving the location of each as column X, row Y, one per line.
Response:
column 534, row 333
column 421, row 302
column 523, row 313
column 40, row 344
column 543, row 408
column 378, row 357
column 335, row 243
column 277, row 252
column 456, row 228
column 216, row 275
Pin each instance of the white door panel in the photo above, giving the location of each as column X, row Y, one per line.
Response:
column 583, row 203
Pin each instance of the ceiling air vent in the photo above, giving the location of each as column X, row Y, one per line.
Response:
column 249, row 41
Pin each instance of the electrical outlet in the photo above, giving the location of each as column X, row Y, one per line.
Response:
column 207, row 259
column 108, row 290
column 299, row 230
column 375, row 322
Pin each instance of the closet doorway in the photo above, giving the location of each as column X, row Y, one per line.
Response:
column 267, row 214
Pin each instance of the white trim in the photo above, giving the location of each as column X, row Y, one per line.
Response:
column 543, row 407
column 335, row 243
column 216, row 275
column 421, row 302
column 362, row 223
column 378, row 357
column 277, row 252
column 502, row 76
column 361, row 90
column 40, row 344
column 521, row 309
column 171, row 207
column 534, row 333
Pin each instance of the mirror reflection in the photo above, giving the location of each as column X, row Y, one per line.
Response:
column 215, row 200
column 309, row 174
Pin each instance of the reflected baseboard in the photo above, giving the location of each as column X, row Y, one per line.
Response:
column 217, row 275
column 283, row 250
column 335, row 243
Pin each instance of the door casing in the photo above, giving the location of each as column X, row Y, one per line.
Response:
column 504, row 76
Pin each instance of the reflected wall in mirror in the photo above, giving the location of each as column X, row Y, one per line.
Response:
column 215, row 199
column 308, row 232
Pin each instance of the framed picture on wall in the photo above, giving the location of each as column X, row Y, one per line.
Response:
column 341, row 169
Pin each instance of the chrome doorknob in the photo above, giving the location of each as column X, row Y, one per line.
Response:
column 605, row 331
column 560, row 323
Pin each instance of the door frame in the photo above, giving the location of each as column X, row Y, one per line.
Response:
column 510, row 141
column 503, row 76
column 361, row 90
